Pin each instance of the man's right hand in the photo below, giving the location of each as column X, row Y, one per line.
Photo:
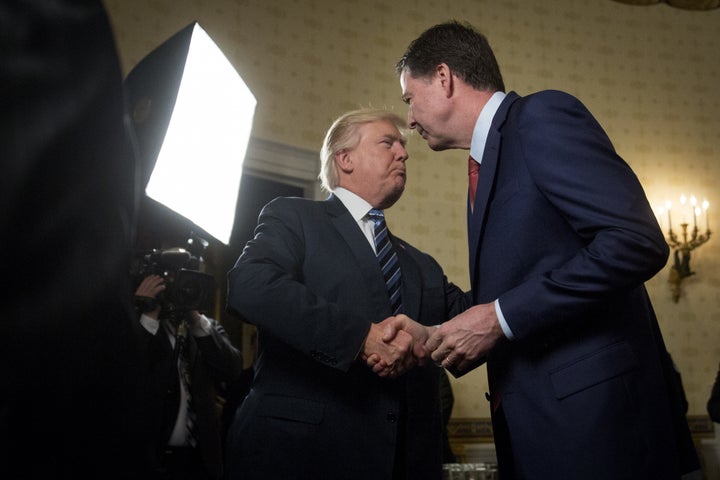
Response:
column 388, row 358
column 150, row 287
column 400, row 329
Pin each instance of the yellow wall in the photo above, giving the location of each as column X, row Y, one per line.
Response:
column 650, row 74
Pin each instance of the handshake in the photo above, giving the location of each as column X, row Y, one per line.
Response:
column 397, row 344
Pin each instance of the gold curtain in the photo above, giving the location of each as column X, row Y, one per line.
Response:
column 685, row 4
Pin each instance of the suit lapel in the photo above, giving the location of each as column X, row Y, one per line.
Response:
column 362, row 252
column 367, row 261
column 486, row 179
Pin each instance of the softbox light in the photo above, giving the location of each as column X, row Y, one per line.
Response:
column 192, row 114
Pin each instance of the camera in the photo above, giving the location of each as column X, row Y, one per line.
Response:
column 186, row 288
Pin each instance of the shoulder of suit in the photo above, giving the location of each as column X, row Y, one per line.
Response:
column 290, row 201
column 539, row 105
column 293, row 203
column 547, row 97
column 304, row 210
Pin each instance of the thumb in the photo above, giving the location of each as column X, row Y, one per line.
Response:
column 420, row 352
column 391, row 329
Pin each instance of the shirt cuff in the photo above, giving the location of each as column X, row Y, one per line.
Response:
column 503, row 323
column 203, row 328
column 149, row 323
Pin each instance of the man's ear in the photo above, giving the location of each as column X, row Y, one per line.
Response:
column 343, row 161
column 446, row 79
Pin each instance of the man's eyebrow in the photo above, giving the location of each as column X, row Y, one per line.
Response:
column 396, row 138
column 392, row 137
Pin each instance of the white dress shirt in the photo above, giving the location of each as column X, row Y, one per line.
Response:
column 179, row 433
column 477, row 149
column 359, row 209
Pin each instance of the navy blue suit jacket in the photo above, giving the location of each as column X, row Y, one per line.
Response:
column 310, row 282
column 563, row 235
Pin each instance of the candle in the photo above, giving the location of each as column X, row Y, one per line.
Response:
column 668, row 205
column 695, row 210
column 705, row 205
column 683, row 199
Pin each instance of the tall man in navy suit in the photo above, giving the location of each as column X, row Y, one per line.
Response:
column 561, row 239
column 312, row 284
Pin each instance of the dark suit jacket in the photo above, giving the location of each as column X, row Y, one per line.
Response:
column 69, row 369
column 213, row 360
column 562, row 234
column 310, row 282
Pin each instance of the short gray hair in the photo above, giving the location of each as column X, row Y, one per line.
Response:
column 342, row 135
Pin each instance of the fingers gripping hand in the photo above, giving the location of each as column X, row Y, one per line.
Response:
column 388, row 359
column 461, row 341
column 418, row 332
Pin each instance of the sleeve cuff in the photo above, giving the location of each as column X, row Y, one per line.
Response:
column 503, row 323
column 202, row 328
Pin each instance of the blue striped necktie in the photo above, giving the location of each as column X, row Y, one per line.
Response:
column 388, row 260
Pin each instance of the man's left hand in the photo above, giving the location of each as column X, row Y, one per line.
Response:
column 462, row 340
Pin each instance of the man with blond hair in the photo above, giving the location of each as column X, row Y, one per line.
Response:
column 319, row 281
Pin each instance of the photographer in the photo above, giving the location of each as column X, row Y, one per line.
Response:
column 189, row 356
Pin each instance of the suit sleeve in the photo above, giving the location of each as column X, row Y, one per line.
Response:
column 576, row 169
column 267, row 287
column 457, row 300
column 221, row 358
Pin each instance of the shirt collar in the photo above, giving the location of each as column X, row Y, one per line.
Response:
column 482, row 126
column 357, row 207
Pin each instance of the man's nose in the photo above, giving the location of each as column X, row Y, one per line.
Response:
column 411, row 120
column 402, row 154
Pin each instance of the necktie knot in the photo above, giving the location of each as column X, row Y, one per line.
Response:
column 376, row 215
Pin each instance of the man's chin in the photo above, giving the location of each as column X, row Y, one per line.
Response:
column 392, row 198
column 436, row 147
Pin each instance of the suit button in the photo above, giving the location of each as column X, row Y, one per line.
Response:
column 391, row 417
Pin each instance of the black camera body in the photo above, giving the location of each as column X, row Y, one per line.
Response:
column 186, row 288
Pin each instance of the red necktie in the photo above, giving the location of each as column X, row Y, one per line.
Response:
column 473, row 169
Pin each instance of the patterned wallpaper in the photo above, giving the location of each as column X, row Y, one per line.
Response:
column 648, row 73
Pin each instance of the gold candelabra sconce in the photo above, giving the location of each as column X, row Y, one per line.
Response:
column 688, row 240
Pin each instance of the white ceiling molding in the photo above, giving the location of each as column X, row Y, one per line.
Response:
column 285, row 163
